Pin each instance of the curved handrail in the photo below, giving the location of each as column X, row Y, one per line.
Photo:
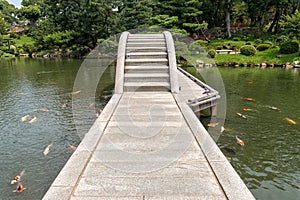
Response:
column 119, row 80
column 172, row 62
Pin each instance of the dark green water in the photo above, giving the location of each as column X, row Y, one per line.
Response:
column 27, row 85
column 269, row 163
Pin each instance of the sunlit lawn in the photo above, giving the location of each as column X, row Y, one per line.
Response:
column 270, row 56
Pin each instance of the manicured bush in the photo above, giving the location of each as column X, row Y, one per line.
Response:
column 258, row 41
column 263, row 47
column 289, row 47
column 248, row 50
column 212, row 53
column 268, row 42
column 236, row 39
column 203, row 43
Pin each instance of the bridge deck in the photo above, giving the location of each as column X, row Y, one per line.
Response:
column 149, row 145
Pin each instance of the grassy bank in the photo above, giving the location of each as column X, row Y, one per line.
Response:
column 268, row 56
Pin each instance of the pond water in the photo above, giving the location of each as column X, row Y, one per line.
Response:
column 268, row 163
column 39, row 88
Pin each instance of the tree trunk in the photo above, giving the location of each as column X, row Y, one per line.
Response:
column 275, row 20
column 297, row 7
column 94, row 41
column 228, row 21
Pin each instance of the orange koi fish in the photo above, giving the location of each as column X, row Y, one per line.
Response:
column 250, row 83
column 248, row 109
column 212, row 124
column 17, row 178
column 290, row 121
column 248, row 99
column 73, row 147
column 239, row 141
column 20, row 188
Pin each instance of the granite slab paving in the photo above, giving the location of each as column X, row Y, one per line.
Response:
column 149, row 160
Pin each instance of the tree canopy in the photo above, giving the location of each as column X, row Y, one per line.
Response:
column 84, row 22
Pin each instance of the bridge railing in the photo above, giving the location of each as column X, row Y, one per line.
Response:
column 172, row 62
column 119, row 82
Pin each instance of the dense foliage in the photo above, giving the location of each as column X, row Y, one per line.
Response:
column 289, row 47
column 81, row 24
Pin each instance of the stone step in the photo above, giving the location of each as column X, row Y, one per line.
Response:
column 146, row 77
column 147, row 69
column 146, row 36
column 145, row 40
column 138, row 55
column 148, row 86
column 146, row 49
column 146, row 61
column 146, row 44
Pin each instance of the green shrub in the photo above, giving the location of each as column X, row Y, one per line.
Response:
column 263, row 47
column 281, row 39
column 268, row 42
column 289, row 47
column 248, row 43
column 10, row 51
column 15, row 36
column 258, row 41
column 236, row 39
column 218, row 47
column 20, row 50
column 203, row 43
column 248, row 50
column 212, row 53
column 29, row 48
